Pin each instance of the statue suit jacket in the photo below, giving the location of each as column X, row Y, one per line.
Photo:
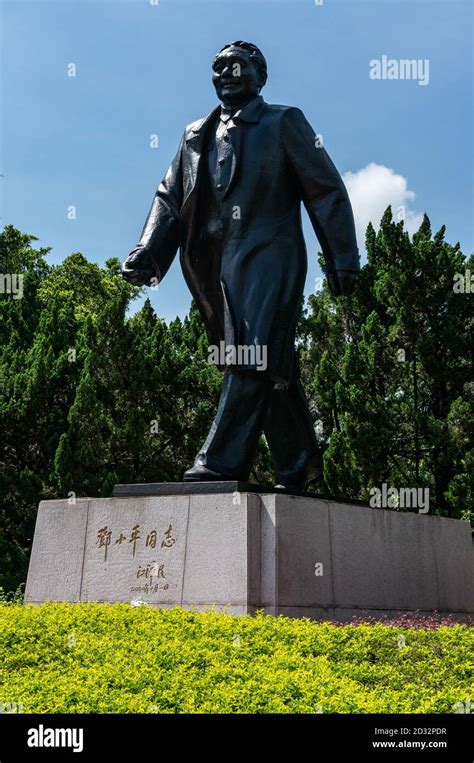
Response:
column 277, row 165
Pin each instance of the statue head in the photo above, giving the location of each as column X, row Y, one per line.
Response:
column 239, row 73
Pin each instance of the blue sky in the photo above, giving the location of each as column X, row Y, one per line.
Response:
column 144, row 69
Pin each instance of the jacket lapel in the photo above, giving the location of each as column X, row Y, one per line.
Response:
column 197, row 142
column 196, row 145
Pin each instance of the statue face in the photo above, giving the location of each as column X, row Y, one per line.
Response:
column 235, row 77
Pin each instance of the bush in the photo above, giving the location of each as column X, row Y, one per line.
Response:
column 102, row 658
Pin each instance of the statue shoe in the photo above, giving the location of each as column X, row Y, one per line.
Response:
column 200, row 473
column 289, row 488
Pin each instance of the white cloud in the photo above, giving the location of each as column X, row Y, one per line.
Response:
column 371, row 190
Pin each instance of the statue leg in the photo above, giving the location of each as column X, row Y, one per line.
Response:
column 290, row 435
column 232, row 441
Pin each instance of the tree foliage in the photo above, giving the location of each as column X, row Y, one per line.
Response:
column 91, row 395
column 389, row 371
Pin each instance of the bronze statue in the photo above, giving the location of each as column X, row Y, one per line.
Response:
column 231, row 201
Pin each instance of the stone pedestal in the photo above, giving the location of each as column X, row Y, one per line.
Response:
column 241, row 550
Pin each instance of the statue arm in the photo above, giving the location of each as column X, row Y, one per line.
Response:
column 159, row 240
column 325, row 198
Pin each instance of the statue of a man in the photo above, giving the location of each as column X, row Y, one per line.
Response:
column 231, row 201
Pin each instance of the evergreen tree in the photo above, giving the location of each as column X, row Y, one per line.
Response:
column 389, row 370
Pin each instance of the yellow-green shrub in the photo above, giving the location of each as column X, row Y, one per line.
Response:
column 105, row 658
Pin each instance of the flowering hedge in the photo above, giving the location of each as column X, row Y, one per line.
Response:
column 101, row 658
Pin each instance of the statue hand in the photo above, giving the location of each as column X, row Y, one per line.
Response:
column 137, row 268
